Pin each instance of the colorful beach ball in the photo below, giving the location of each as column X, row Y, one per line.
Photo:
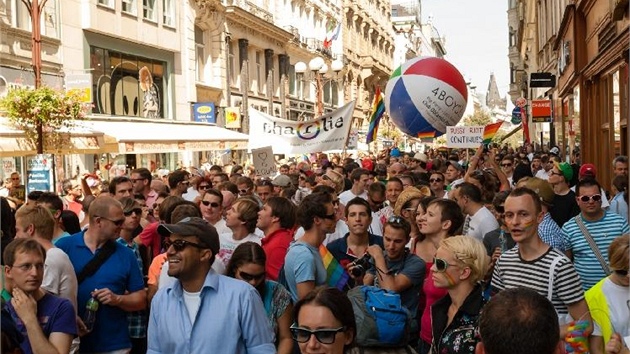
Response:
column 424, row 96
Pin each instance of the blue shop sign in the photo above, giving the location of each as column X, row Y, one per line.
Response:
column 204, row 112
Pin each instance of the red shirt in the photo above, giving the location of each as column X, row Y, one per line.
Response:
column 276, row 245
column 150, row 238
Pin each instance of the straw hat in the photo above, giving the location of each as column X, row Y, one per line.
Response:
column 408, row 194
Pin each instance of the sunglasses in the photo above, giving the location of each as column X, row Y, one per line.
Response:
column 156, row 205
column 396, row 220
column 441, row 265
column 499, row 209
column 622, row 272
column 506, row 165
column 335, row 202
column 329, row 216
column 250, row 277
column 180, row 245
column 136, row 211
column 435, row 180
column 243, row 191
column 207, row 203
column 205, row 187
column 378, row 205
column 594, row 197
column 134, row 180
column 324, row 336
column 185, row 183
column 115, row 222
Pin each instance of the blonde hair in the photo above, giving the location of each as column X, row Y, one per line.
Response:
column 617, row 252
column 40, row 217
column 469, row 251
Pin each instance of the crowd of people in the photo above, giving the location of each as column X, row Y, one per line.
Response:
column 490, row 251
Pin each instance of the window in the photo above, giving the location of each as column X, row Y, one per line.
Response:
column 260, row 76
column 49, row 20
column 232, row 63
column 108, row 3
column 22, row 17
column 293, row 86
column 169, row 13
column 148, row 9
column 129, row 6
column 199, row 51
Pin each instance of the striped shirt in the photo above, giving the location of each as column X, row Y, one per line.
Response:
column 603, row 232
column 511, row 271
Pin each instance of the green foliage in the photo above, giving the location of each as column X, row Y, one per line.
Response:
column 479, row 117
column 55, row 110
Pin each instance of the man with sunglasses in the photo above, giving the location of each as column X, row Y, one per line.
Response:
column 436, row 183
column 203, row 311
column 507, row 167
column 303, row 266
column 395, row 268
column 141, row 179
column 602, row 225
column 117, row 284
column 178, row 182
column 212, row 210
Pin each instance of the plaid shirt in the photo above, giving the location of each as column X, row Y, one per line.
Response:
column 550, row 233
column 138, row 320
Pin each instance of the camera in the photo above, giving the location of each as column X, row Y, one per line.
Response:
column 361, row 265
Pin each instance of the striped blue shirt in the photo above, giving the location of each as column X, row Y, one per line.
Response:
column 603, row 232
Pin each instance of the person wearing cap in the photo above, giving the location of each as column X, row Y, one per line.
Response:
column 359, row 178
column 418, row 163
column 117, row 284
column 588, row 171
column 454, row 174
column 602, row 225
column 279, row 182
column 549, row 232
column 564, row 202
column 203, row 311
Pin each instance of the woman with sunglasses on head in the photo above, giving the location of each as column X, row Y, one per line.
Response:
column 324, row 323
column 248, row 264
column 442, row 218
column 459, row 267
column 609, row 304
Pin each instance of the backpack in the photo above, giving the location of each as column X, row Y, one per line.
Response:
column 381, row 319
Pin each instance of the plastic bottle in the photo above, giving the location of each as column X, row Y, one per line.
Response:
column 91, row 307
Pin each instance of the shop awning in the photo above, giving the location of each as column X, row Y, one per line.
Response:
column 81, row 141
column 142, row 137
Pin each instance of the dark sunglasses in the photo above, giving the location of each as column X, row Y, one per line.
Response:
column 396, row 220
column 180, row 245
column 433, row 180
column 506, row 165
column 137, row 211
column 622, row 272
column 594, row 197
column 324, row 336
column 499, row 209
column 329, row 216
column 205, row 187
column 115, row 222
column 207, row 203
column 335, row 202
column 243, row 191
column 441, row 265
column 250, row 277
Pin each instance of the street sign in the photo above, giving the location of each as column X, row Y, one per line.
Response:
column 542, row 80
column 517, row 115
column 204, row 112
column 541, row 111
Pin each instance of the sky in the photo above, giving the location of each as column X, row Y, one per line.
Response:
column 476, row 34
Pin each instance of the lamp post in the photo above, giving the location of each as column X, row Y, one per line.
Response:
column 318, row 68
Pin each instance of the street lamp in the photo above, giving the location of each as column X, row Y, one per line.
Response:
column 318, row 68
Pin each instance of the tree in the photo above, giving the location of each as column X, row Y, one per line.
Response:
column 55, row 111
column 479, row 117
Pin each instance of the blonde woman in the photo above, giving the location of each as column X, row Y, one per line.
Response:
column 459, row 266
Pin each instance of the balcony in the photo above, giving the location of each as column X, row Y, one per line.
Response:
column 316, row 45
column 252, row 16
column 252, row 9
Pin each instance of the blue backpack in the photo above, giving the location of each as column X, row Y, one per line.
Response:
column 381, row 319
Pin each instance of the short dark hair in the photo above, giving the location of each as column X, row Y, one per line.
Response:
column 144, row 173
column 519, row 321
column 587, row 182
column 22, row 245
column 52, row 199
column 521, row 191
column 377, row 188
column 70, row 222
column 313, row 205
column 184, row 210
column 283, row 209
column 451, row 211
column 215, row 193
column 395, row 180
column 115, row 182
column 357, row 173
column 359, row 201
column 398, row 223
column 469, row 190
column 246, row 252
column 245, row 180
column 34, row 195
column 322, row 188
column 336, row 301
column 167, row 207
column 176, row 177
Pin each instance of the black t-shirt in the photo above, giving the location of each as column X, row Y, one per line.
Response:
column 564, row 208
column 492, row 240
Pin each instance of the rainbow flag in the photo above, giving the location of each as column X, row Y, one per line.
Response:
column 337, row 275
column 490, row 131
column 378, row 108
column 425, row 135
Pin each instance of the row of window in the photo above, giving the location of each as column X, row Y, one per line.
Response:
column 149, row 9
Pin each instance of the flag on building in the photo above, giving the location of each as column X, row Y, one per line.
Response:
column 490, row 131
column 426, row 135
column 337, row 275
column 378, row 108
column 332, row 33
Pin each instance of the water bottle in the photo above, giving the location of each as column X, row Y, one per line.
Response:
column 91, row 307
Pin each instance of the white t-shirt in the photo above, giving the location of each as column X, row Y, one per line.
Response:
column 347, row 196
column 542, row 174
column 616, row 298
column 165, row 280
column 341, row 229
column 229, row 244
column 221, row 227
column 192, row 302
column 59, row 276
column 481, row 223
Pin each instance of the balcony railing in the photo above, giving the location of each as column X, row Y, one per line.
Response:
column 317, row 45
column 252, row 8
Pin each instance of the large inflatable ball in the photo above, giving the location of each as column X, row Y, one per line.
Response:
column 425, row 95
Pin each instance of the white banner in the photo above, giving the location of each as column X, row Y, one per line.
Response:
column 464, row 137
column 329, row 132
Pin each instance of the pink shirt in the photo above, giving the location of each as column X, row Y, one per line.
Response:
column 432, row 294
